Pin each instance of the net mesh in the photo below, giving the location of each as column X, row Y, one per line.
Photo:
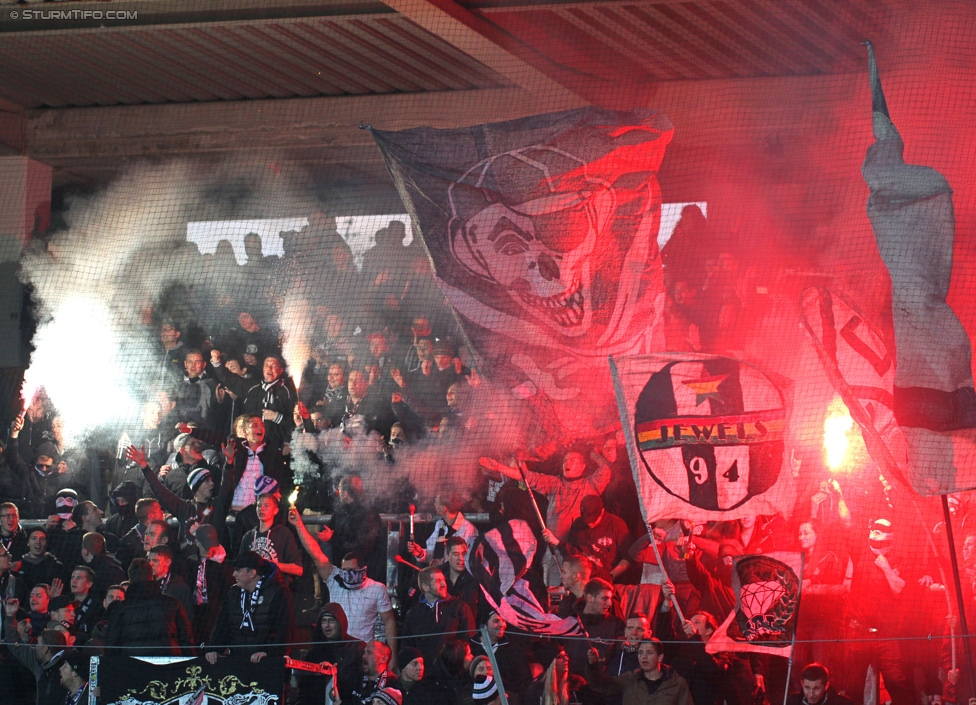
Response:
column 441, row 220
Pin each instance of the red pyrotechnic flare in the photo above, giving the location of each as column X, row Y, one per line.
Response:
column 838, row 432
column 404, row 561
column 413, row 508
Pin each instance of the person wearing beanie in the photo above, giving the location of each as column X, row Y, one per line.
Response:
column 200, row 482
column 417, row 686
column 257, row 615
column 411, row 668
column 74, row 672
column 482, row 688
column 512, row 659
column 333, row 644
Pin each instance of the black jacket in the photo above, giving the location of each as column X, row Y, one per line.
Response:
column 47, row 676
column 220, row 578
column 108, row 572
column 280, row 398
column 151, row 619
column 427, row 627
column 272, row 618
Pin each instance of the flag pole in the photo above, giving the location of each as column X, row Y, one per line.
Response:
column 961, row 603
column 535, row 505
column 634, row 468
column 490, row 652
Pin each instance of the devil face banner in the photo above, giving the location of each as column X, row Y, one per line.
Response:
column 708, row 437
column 543, row 237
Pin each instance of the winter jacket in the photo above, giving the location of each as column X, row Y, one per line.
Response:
column 150, row 619
column 271, row 617
column 47, row 675
column 444, row 620
column 633, row 688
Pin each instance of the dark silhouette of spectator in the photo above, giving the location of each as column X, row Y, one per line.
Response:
column 148, row 618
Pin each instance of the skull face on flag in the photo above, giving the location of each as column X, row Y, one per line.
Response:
column 710, row 432
column 542, row 233
column 533, row 239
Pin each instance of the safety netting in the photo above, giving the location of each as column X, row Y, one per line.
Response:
column 736, row 307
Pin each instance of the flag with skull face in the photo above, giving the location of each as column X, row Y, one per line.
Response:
column 543, row 237
column 708, row 436
column 767, row 592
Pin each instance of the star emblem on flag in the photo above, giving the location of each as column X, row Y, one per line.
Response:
column 705, row 387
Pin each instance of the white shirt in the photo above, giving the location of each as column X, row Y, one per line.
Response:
column 361, row 606
column 462, row 527
column 244, row 492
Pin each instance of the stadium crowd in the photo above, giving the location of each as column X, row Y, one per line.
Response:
column 200, row 549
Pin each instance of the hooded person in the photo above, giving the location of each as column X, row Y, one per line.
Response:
column 123, row 499
column 333, row 644
column 885, row 593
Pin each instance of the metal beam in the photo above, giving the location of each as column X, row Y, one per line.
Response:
column 266, row 125
column 482, row 41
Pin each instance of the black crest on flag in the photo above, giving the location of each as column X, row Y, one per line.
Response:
column 768, row 592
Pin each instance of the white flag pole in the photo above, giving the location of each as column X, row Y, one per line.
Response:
column 635, row 469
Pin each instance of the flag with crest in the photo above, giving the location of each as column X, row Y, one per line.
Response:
column 707, row 436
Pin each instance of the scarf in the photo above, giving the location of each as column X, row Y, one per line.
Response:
column 269, row 392
column 443, row 531
column 350, row 579
column 244, row 492
column 200, row 592
column 248, row 603
column 82, row 611
column 9, row 541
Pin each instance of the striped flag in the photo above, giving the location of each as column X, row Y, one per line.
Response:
column 522, row 610
column 861, row 368
column 500, row 556
column 498, row 560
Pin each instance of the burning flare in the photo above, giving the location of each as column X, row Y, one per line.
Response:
column 838, row 427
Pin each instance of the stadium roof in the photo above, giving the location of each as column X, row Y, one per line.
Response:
column 88, row 93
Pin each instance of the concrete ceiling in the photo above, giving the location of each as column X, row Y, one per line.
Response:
column 294, row 79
